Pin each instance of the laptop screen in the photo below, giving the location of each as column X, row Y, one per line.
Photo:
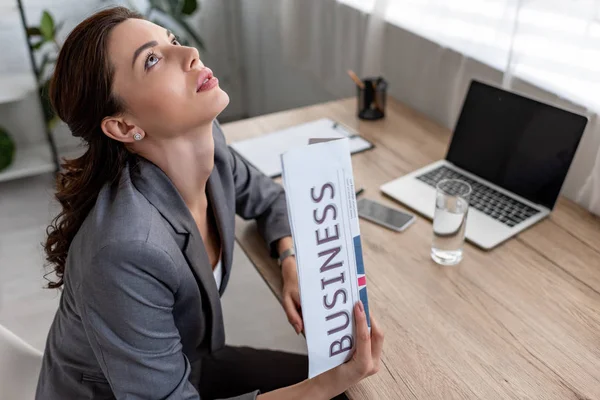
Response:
column 517, row 143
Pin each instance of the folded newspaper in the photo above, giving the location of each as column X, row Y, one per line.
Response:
column 322, row 210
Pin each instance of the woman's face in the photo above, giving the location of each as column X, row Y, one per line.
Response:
column 161, row 82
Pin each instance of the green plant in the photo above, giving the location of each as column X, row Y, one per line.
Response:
column 7, row 149
column 38, row 36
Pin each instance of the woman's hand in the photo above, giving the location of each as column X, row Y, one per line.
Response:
column 291, row 294
column 368, row 346
column 364, row 362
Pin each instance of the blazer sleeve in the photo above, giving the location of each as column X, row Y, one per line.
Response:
column 259, row 197
column 126, row 309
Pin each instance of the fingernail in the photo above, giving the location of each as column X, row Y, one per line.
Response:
column 297, row 329
column 360, row 306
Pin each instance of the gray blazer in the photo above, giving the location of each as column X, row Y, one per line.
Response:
column 140, row 306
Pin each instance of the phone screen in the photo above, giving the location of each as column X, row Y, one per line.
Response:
column 384, row 215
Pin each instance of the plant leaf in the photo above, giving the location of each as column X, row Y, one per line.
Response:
column 53, row 122
column 47, row 26
column 37, row 45
column 33, row 31
column 189, row 7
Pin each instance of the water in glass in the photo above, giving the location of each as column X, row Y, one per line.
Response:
column 450, row 221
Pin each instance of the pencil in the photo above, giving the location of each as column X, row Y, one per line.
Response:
column 375, row 95
column 356, row 79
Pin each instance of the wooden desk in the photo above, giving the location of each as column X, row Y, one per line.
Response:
column 519, row 322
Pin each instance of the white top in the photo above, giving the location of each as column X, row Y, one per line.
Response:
column 218, row 273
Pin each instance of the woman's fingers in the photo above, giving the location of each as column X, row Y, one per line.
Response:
column 298, row 308
column 291, row 311
column 376, row 344
column 367, row 350
column 362, row 354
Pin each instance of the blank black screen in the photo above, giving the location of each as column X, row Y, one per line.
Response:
column 514, row 142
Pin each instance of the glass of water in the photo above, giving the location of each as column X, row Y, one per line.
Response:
column 450, row 221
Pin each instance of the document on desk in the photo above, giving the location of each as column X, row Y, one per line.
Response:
column 321, row 200
column 264, row 152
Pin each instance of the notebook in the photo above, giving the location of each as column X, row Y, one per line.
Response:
column 264, row 152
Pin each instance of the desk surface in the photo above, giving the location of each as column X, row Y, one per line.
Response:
column 519, row 322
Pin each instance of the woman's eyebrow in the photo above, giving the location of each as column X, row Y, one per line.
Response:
column 147, row 45
column 142, row 48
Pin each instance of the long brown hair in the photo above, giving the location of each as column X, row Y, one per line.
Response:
column 80, row 92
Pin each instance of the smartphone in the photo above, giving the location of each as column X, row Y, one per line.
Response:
column 391, row 218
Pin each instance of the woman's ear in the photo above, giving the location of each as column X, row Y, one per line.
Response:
column 118, row 129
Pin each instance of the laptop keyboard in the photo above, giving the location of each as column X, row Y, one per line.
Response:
column 497, row 205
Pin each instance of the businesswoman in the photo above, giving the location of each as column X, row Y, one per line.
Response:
column 142, row 248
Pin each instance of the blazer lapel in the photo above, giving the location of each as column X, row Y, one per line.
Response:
column 158, row 189
column 196, row 256
column 223, row 216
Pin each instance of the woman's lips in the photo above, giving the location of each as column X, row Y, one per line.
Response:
column 206, row 80
column 208, row 84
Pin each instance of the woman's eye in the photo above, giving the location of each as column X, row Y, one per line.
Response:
column 176, row 42
column 151, row 60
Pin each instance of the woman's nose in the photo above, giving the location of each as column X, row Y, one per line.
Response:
column 192, row 59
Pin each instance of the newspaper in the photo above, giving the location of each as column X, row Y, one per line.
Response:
column 322, row 210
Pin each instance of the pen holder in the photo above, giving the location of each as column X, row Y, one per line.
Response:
column 372, row 98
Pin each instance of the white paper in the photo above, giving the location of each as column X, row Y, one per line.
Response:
column 264, row 152
column 322, row 211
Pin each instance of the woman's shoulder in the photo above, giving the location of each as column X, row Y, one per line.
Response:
column 122, row 238
column 121, row 216
column 120, row 212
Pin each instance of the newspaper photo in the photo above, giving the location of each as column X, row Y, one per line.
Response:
column 321, row 200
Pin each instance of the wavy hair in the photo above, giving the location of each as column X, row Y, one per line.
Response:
column 80, row 93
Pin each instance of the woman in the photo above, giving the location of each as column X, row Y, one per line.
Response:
column 143, row 245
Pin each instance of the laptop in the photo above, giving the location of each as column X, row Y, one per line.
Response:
column 515, row 153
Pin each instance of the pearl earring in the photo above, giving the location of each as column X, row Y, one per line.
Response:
column 137, row 136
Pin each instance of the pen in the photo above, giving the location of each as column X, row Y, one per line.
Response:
column 345, row 130
column 359, row 191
